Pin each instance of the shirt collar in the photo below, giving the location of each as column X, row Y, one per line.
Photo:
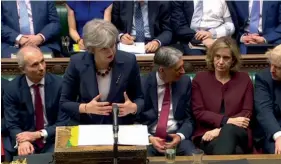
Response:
column 30, row 83
column 159, row 81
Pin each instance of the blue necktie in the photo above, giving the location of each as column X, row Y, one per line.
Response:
column 255, row 17
column 197, row 16
column 139, row 24
column 24, row 21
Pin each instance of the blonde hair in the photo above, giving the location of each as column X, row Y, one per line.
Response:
column 224, row 42
column 274, row 54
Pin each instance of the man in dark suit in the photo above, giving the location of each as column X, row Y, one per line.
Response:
column 102, row 76
column 4, row 131
column 258, row 23
column 143, row 21
column 29, row 23
column 31, row 102
column 268, row 102
column 167, row 109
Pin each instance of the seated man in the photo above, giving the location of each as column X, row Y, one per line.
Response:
column 7, row 147
column 31, row 101
column 258, row 22
column 143, row 21
column 167, row 109
column 200, row 22
column 29, row 23
column 268, row 101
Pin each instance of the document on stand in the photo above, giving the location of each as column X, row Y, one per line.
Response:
column 103, row 135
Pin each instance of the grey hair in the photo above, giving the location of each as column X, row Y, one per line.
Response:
column 22, row 52
column 274, row 54
column 99, row 33
column 166, row 57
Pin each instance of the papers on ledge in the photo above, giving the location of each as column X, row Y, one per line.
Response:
column 103, row 135
column 136, row 48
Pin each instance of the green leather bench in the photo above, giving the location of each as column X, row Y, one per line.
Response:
column 62, row 13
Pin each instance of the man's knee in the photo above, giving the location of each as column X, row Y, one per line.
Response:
column 185, row 147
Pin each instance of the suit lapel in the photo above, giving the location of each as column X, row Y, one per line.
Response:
column 130, row 14
column 12, row 5
column 90, row 76
column 26, row 96
column 244, row 7
column 48, row 94
column 176, row 90
column 117, row 78
column 34, row 9
column 153, row 90
column 264, row 13
column 152, row 6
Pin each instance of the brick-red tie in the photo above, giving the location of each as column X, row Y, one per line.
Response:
column 161, row 130
column 39, row 114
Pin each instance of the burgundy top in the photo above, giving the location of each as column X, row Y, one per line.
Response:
column 208, row 94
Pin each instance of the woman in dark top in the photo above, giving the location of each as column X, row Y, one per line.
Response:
column 80, row 12
column 222, row 101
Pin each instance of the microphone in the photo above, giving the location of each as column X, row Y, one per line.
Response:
column 115, row 126
column 115, row 109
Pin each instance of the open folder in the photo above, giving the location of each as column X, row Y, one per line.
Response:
column 103, row 135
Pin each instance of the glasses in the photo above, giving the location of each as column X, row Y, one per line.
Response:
column 197, row 156
column 170, row 155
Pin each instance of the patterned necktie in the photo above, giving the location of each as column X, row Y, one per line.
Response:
column 23, row 18
column 161, row 130
column 39, row 114
column 139, row 24
column 197, row 16
column 255, row 17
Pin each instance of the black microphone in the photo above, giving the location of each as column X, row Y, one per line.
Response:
column 115, row 126
column 115, row 109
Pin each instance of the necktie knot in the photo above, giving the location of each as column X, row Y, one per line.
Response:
column 36, row 86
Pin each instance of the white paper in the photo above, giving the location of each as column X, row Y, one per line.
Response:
column 103, row 135
column 136, row 48
column 150, row 54
column 46, row 56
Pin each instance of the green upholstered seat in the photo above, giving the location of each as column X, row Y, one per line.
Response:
column 62, row 13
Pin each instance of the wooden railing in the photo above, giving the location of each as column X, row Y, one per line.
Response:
column 192, row 64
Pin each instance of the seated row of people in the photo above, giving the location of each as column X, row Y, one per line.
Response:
column 214, row 109
column 157, row 23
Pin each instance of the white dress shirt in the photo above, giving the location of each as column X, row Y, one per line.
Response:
column 104, row 84
column 42, row 94
column 172, row 123
column 216, row 18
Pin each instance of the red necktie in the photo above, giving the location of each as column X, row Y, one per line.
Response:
column 39, row 114
column 2, row 149
column 161, row 130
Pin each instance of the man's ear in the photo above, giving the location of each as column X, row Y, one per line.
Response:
column 22, row 69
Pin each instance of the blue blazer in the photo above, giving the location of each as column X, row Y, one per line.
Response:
column 268, row 102
column 158, row 15
column 181, row 96
column 271, row 19
column 45, row 21
column 80, row 86
column 19, row 110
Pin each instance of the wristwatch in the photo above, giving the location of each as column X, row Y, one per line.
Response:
column 41, row 134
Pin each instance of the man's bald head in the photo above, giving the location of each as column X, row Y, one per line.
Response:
column 31, row 62
column 27, row 52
